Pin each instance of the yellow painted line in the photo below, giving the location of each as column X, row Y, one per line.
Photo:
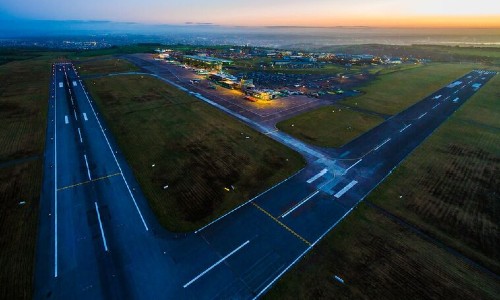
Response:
column 282, row 225
column 88, row 181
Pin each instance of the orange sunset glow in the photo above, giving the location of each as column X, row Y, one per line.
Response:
column 377, row 13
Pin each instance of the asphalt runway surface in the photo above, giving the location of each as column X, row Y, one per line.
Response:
column 98, row 238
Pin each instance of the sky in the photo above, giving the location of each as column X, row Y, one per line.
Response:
column 376, row 13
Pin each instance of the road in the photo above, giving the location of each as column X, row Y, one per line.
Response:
column 99, row 239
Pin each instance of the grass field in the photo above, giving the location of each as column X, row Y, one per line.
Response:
column 23, row 105
column 380, row 259
column 327, row 69
column 104, row 65
column 23, row 98
column 451, row 183
column 393, row 92
column 329, row 126
column 124, row 49
column 18, row 227
column 450, row 191
column 197, row 150
column 387, row 69
column 436, row 53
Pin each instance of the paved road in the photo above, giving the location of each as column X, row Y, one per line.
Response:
column 99, row 239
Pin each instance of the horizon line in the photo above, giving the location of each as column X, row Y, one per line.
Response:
column 210, row 24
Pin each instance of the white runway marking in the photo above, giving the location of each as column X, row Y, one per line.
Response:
column 87, row 164
column 353, row 165
column 436, row 105
column 249, row 201
column 404, row 128
column 216, row 264
column 80, row 134
column 315, row 177
column 74, row 83
column 55, row 178
column 85, row 117
column 100, row 226
column 116, row 161
column 345, row 189
column 74, row 112
column 383, row 143
column 300, row 204
column 422, row 115
column 60, row 84
column 66, row 120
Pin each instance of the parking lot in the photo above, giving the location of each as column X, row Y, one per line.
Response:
column 267, row 112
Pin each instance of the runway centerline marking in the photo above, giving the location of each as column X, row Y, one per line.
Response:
column 436, row 105
column 281, row 224
column 88, row 181
column 345, row 189
column 299, row 204
column 383, row 143
column 315, row 177
column 422, row 115
column 74, row 112
column 100, row 226
column 116, row 161
column 404, row 128
column 216, row 264
column 352, row 166
column 87, row 164
column 80, row 134
column 272, row 131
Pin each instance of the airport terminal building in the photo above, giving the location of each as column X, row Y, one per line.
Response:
column 206, row 62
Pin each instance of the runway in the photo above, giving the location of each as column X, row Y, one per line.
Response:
column 98, row 238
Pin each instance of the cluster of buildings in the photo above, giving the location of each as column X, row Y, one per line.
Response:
column 212, row 61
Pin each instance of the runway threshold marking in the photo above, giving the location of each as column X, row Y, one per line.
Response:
column 216, row 264
column 281, row 224
column 299, row 204
column 315, row 177
column 88, row 181
column 345, row 189
column 100, row 226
